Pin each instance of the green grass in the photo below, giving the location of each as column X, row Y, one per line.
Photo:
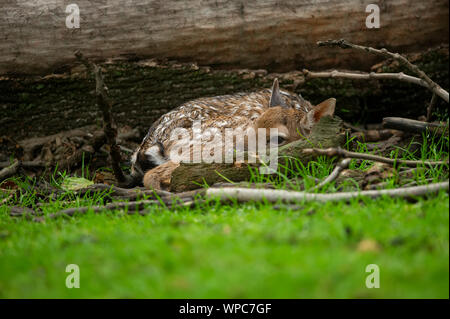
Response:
column 253, row 250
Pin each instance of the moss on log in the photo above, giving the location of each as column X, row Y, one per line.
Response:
column 328, row 132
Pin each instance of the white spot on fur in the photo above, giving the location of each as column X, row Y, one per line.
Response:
column 155, row 155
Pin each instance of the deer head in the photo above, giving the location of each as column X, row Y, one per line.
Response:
column 292, row 123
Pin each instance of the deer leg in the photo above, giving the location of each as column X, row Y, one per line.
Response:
column 159, row 177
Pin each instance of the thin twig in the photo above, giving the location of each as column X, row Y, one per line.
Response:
column 135, row 205
column 334, row 174
column 432, row 86
column 131, row 207
column 105, row 106
column 330, row 152
column 246, row 194
column 366, row 76
column 128, row 193
column 165, row 200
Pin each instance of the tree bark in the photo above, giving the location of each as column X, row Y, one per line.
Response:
column 280, row 35
column 144, row 90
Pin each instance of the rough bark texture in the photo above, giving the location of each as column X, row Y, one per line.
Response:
column 279, row 35
column 327, row 133
column 144, row 90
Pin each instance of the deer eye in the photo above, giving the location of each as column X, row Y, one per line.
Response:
column 278, row 140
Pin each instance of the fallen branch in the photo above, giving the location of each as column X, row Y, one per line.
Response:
column 334, row 174
column 10, row 170
column 31, row 144
column 432, row 86
column 366, row 76
column 272, row 196
column 105, row 106
column 131, row 206
column 414, row 126
column 330, row 152
column 18, row 211
column 123, row 193
column 183, row 199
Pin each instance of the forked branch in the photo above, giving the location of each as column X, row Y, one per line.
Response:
column 105, row 105
column 432, row 86
column 334, row 174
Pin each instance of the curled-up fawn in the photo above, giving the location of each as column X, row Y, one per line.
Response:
column 154, row 160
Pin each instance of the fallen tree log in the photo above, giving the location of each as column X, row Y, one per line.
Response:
column 329, row 132
column 232, row 33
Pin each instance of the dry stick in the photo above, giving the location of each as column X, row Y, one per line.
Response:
column 432, row 86
column 168, row 200
column 334, row 174
column 30, row 144
column 330, row 152
column 378, row 76
column 105, row 106
column 131, row 206
column 366, row 76
column 123, row 192
column 414, row 126
column 9, row 171
column 246, row 194
column 139, row 205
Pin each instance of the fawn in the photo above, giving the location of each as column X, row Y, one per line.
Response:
column 288, row 112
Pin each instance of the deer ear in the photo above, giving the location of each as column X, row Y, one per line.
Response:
column 275, row 98
column 320, row 110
